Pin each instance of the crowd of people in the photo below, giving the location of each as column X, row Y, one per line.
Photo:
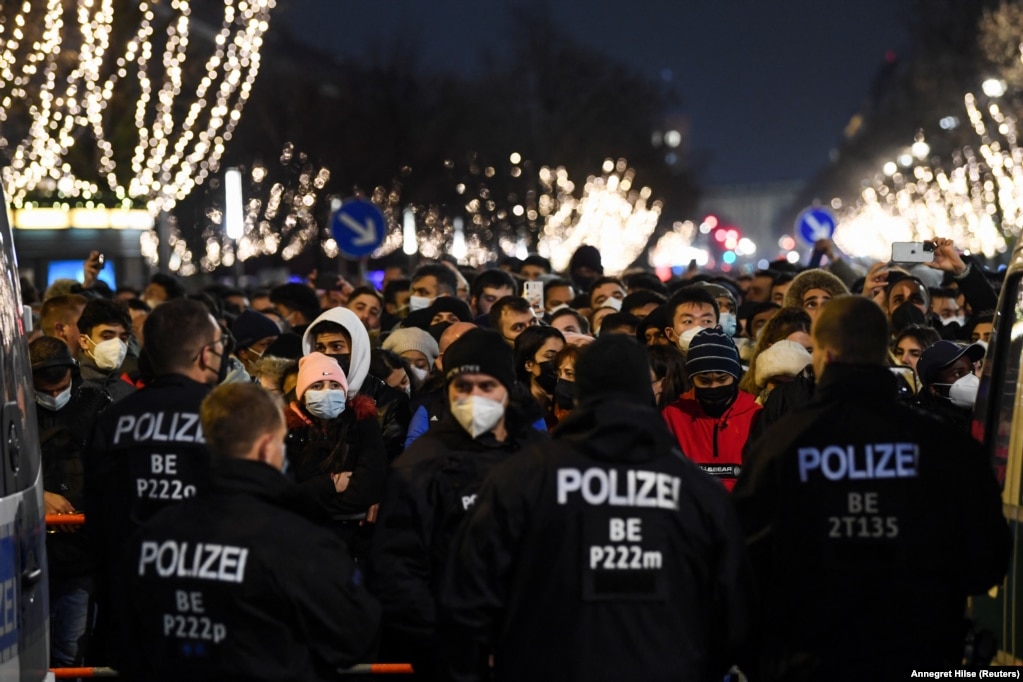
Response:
column 627, row 479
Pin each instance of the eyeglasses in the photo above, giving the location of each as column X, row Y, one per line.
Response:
column 226, row 341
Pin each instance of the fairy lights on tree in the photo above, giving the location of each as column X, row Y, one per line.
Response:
column 975, row 196
column 611, row 215
column 114, row 106
column 967, row 184
column 544, row 212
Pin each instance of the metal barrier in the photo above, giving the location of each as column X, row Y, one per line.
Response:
column 65, row 519
column 65, row 673
column 379, row 669
column 358, row 669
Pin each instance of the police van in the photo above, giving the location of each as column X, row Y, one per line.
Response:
column 998, row 424
column 24, row 626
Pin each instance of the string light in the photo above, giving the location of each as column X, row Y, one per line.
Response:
column 611, row 215
column 675, row 248
column 180, row 130
column 975, row 197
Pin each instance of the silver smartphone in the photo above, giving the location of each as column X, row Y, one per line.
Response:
column 912, row 252
column 532, row 291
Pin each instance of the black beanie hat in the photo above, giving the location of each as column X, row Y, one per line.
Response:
column 250, row 327
column 442, row 304
column 613, row 364
column 286, row 346
column 450, row 304
column 711, row 350
column 481, row 351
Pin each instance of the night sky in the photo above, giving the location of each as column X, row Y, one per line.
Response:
column 768, row 86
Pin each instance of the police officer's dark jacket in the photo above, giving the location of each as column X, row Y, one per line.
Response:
column 603, row 555
column 429, row 489
column 240, row 583
column 147, row 452
column 868, row 524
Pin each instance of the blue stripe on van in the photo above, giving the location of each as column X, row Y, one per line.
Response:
column 8, row 598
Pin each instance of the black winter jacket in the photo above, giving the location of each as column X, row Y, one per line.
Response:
column 241, row 583
column 352, row 442
column 868, row 524
column 603, row 555
column 63, row 435
column 146, row 453
column 429, row 490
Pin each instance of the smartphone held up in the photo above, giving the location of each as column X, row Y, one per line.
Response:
column 912, row 252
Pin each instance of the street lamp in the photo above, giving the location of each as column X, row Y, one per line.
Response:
column 234, row 220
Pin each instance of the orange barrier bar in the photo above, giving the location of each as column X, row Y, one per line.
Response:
column 66, row 673
column 379, row 669
column 359, row 669
column 65, row 519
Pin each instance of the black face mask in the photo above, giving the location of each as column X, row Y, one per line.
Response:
column 564, row 394
column 905, row 315
column 548, row 379
column 583, row 283
column 225, row 358
column 715, row 401
column 343, row 359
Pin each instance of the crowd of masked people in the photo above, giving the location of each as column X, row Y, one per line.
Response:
column 630, row 479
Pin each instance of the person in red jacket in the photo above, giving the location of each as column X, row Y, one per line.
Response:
column 712, row 421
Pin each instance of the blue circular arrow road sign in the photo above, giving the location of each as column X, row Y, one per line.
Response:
column 359, row 228
column 815, row 223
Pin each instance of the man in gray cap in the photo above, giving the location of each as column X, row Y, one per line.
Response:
column 604, row 536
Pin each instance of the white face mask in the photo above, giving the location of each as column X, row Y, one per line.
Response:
column 558, row 307
column 963, row 393
column 151, row 303
column 687, row 337
column 109, row 354
column 419, row 374
column 727, row 322
column 54, row 403
column 476, row 414
column 326, row 404
column 419, row 302
column 612, row 302
column 961, row 321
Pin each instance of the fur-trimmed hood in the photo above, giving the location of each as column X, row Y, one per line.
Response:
column 813, row 279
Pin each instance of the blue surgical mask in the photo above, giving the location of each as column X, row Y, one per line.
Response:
column 727, row 322
column 54, row 403
column 326, row 404
column 419, row 302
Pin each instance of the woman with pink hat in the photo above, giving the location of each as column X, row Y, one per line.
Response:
column 335, row 449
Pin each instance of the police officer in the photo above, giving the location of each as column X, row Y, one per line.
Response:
column 432, row 485
column 149, row 452
column 869, row 523
column 602, row 555
column 240, row 582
